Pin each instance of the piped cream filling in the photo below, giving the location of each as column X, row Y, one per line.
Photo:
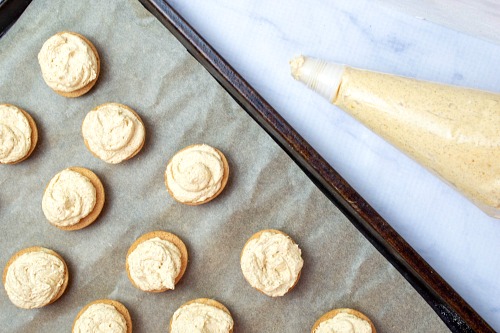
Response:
column 67, row 62
column 69, row 197
column 344, row 323
column 155, row 264
column 201, row 318
column 15, row 134
column 113, row 132
column 195, row 174
column 99, row 318
column 34, row 279
column 271, row 263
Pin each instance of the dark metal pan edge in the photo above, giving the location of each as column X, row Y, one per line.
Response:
column 10, row 10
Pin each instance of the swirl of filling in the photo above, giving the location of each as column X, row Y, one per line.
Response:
column 195, row 174
column 15, row 134
column 113, row 132
column 34, row 279
column 344, row 323
column 69, row 197
column 271, row 263
column 201, row 318
column 155, row 264
column 68, row 63
column 100, row 318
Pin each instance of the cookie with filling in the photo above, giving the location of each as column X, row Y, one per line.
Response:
column 271, row 262
column 103, row 313
column 212, row 315
column 18, row 134
column 73, row 199
column 196, row 174
column 70, row 64
column 35, row 277
column 343, row 320
column 113, row 132
column 156, row 261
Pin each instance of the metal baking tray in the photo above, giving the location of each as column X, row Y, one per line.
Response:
column 446, row 302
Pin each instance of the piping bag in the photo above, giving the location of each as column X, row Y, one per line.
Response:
column 452, row 131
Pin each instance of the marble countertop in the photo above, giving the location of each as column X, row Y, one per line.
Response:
column 258, row 38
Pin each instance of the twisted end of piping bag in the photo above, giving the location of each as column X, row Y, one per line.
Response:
column 321, row 76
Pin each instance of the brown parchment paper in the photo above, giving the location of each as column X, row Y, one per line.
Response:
column 145, row 67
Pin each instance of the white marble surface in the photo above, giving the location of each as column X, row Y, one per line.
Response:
column 259, row 37
column 475, row 17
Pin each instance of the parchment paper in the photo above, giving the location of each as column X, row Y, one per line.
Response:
column 145, row 67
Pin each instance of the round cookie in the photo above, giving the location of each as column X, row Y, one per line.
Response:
column 102, row 138
column 281, row 288
column 166, row 236
column 331, row 314
column 81, row 90
column 204, row 301
column 30, row 269
column 115, row 304
column 179, row 189
column 91, row 217
column 33, row 136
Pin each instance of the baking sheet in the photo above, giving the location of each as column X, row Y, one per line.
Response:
column 146, row 68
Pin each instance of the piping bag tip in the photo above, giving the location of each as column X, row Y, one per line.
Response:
column 295, row 66
column 320, row 76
